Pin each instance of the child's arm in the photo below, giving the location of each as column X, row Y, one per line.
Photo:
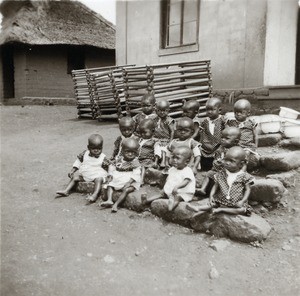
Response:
column 196, row 128
column 116, row 148
column 76, row 164
column 255, row 135
column 213, row 191
column 184, row 183
column 157, row 154
column 196, row 164
column 240, row 203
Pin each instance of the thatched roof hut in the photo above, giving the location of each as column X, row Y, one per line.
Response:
column 54, row 22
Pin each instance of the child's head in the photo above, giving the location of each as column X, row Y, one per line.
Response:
column 126, row 125
column 146, row 128
column 230, row 137
column 130, row 148
column 162, row 108
column 184, row 128
column 190, row 108
column 95, row 145
column 242, row 109
column 234, row 159
column 148, row 103
column 213, row 108
column 181, row 157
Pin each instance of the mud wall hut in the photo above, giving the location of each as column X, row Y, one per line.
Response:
column 43, row 41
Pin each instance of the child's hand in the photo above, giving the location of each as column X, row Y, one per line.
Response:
column 212, row 201
column 195, row 171
column 71, row 174
column 175, row 191
column 240, row 204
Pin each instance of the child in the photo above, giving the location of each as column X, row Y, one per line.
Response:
column 210, row 132
column 249, row 138
column 92, row 165
column 230, row 137
column 184, row 132
column 232, row 186
column 126, row 126
column 124, row 175
column 147, row 105
column 149, row 148
column 180, row 183
column 164, row 130
column 190, row 109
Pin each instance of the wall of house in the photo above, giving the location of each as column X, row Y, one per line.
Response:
column 281, row 39
column 231, row 34
column 41, row 71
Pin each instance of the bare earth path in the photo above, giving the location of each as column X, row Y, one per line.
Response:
column 63, row 247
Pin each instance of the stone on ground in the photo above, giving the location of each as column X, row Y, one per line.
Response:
column 236, row 227
column 292, row 143
column 219, row 245
column 85, row 187
column 267, row 190
column 284, row 161
column 155, row 177
column 180, row 215
column 269, row 139
column 288, row 179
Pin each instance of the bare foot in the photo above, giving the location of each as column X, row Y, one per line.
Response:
column 91, row 198
column 114, row 209
column 106, row 204
column 171, row 203
column 62, row 193
column 192, row 208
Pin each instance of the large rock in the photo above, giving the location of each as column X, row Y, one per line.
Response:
column 180, row 215
column 85, row 187
column 292, row 143
column 284, row 161
column 267, row 190
column 155, row 177
column 269, row 139
column 236, row 227
column 288, row 179
column 133, row 200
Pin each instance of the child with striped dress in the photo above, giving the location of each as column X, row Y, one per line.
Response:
column 210, row 132
column 164, row 130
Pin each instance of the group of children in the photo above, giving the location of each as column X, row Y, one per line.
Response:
column 181, row 148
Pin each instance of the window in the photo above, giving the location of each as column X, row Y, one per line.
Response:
column 75, row 59
column 180, row 23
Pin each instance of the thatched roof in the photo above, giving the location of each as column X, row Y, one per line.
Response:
column 54, row 22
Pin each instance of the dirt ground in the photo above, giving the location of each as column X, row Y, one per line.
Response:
column 63, row 247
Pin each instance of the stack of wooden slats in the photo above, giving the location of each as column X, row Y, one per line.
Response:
column 175, row 82
column 110, row 92
column 85, row 90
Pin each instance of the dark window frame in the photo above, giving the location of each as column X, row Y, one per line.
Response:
column 165, row 16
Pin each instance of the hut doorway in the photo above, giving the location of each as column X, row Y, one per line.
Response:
column 7, row 56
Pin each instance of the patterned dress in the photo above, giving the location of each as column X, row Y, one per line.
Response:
column 122, row 171
column 210, row 134
column 218, row 162
column 163, row 130
column 90, row 167
column 247, row 128
column 228, row 196
column 149, row 148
